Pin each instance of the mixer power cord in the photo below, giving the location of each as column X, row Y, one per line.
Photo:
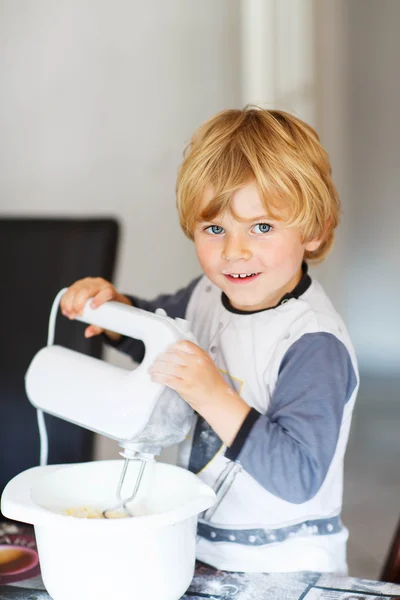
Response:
column 44, row 440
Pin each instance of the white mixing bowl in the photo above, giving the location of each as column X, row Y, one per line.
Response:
column 150, row 556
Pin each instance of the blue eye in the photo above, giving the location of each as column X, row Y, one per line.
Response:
column 262, row 228
column 214, row 229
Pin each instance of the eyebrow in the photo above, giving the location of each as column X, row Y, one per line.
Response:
column 261, row 219
column 258, row 219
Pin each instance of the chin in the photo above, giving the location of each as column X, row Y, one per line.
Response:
column 244, row 303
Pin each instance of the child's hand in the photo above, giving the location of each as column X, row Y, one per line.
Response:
column 189, row 370
column 75, row 298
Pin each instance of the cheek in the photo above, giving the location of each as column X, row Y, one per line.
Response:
column 274, row 254
column 207, row 253
column 287, row 250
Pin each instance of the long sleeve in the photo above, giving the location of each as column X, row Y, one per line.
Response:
column 290, row 448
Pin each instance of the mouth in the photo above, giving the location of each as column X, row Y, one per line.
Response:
column 241, row 278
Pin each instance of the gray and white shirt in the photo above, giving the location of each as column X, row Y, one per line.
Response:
column 279, row 486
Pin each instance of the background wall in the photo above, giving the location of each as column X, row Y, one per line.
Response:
column 98, row 100
column 373, row 175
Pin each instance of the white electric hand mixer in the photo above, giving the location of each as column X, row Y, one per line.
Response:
column 142, row 416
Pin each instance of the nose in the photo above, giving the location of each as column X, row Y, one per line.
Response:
column 236, row 248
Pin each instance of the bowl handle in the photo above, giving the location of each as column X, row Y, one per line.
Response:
column 16, row 501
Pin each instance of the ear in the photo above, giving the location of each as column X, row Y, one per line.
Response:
column 313, row 245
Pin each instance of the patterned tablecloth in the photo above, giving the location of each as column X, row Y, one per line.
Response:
column 20, row 579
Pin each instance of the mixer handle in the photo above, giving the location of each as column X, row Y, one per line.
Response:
column 156, row 330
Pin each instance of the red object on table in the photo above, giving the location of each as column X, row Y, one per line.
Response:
column 19, row 559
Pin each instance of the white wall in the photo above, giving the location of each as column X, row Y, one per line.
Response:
column 98, row 100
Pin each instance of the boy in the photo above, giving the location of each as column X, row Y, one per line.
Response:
column 274, row 378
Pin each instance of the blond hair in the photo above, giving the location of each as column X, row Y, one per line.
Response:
column 277, row 150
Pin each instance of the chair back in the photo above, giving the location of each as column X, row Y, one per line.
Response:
column 38, row 257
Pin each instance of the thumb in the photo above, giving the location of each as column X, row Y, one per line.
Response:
column 93, row 330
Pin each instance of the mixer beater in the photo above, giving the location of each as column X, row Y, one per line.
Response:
column 123, row 502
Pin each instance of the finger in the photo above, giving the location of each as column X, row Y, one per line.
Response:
column 67, row 301
column 73, row 296
column 107, row 293
column 187, row 347
column 98, row 289
column 167, row 368
column 82, row 296
column 93, row 330
column 178, row 358
column 168, row 380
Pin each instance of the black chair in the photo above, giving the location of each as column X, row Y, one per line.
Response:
column 39, row 256
column 391, row 568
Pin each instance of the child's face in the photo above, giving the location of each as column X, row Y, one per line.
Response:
column 265, row 250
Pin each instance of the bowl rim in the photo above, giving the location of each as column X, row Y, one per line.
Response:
column 18, row 504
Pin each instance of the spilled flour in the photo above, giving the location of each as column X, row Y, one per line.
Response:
column 252, row 586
